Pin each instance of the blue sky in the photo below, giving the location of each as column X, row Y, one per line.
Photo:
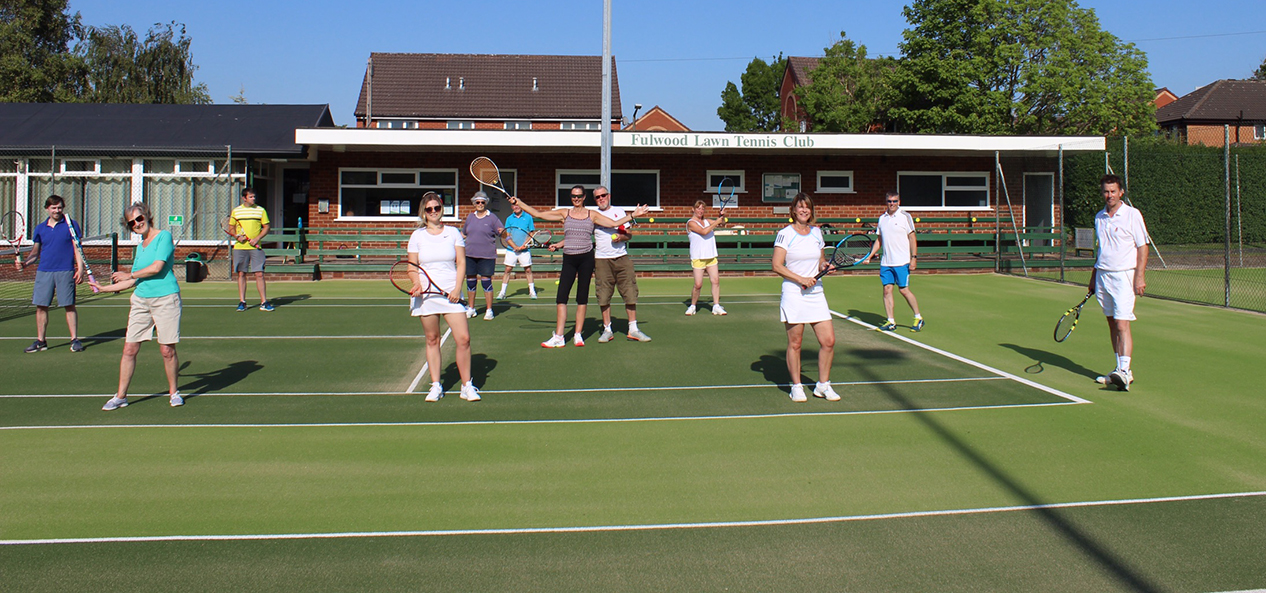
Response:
column 677, row 55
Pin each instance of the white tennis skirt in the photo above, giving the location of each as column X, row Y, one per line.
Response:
column 433, row 304
column 803, row 306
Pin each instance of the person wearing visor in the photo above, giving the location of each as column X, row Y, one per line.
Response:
column 481, row 230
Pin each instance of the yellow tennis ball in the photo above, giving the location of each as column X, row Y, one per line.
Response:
column 973, row 219
column 918, row 220
column 555, row 282
column 857, row 220
column 790, row 220
column 652, row 220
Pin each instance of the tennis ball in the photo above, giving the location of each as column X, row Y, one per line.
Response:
column 973, row 219
column 652, row 220
column 555, row 282
column 791, row 220
column 857, row 220
column 918, row 220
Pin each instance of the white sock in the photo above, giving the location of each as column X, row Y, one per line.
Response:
column 1124, row 362
column 917, row 317
column 532, row 286
column 822, row 384
column 606, row 327
column 891, row 320
column 632, row 326
column 503, row 288
column 1118, row 367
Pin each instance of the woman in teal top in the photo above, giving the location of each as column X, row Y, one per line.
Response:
column 155, row 302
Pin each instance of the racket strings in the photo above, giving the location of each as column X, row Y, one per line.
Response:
column 485, row 171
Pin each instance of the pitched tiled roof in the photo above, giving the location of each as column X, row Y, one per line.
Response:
column 1224, row 100
column 800, row 69
column 488, row 86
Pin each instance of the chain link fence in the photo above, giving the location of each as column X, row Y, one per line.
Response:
column 1205, row 209
column 190, row 191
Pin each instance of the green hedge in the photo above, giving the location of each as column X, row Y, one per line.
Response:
column 1180, row 189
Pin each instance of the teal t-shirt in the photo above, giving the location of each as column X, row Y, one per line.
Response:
column 161, row 249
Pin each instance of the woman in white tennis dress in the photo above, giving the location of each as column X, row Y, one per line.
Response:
column 798, row 258
column 441, row 251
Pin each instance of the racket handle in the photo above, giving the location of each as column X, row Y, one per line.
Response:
column 92, row 283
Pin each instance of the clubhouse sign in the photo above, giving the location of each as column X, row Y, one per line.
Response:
column 693, row 140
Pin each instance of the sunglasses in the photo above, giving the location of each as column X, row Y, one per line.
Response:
column 135, row 221
column 894, row 201
column 601, row 195
column 434, row 209
column 578, row 196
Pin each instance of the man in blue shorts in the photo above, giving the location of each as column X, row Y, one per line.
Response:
column 60, row 269
column 518, row 232
column 901, row 256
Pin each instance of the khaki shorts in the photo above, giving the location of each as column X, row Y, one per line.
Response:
column 612, row 274
column 158, row 312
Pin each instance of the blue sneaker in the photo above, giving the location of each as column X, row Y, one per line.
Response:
column 918, row 325
column 241, row 306
column 888, row 327
column 266, row 306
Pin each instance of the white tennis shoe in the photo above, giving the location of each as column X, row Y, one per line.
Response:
column 469, row 392
column 436, row 392
column 824, row 390
column 555, row 341
column 175, row 400
column 718, row 310
column 488, row 314
column 606, row 336
column 578, row 341
column 115, row 403
column 690, row 310
column 797, row 393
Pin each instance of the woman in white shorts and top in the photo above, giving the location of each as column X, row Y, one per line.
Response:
column 798, row 258
column 441, row 251
column 703, row 256
column 155, row 304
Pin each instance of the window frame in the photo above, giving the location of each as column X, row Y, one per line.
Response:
column 852, row 185
column 589, row 126
column 459, row 124
column 518, row 124
column 560, row 187
column 740, row 174
column 945, row 187
column 450, row 210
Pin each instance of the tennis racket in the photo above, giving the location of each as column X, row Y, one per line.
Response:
column 404, row 273
column 79, row 247
column 229, row 228
column 14, row 228
column 1068, row 322
column 485, row 171
column 725, row 195
column 540, row 238
column 847, row 253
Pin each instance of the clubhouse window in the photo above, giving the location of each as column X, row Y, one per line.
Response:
column 835, row 182
column 581, row 125
column 460, row 125
column 736, row 181
column 957, row 191
column 628, row 188
column 393, row 194
column 518, row 125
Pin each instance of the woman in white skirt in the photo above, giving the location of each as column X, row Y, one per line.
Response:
column 798, row 258
column 441, row 251
column 703, row 256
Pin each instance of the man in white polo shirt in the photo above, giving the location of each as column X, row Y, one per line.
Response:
column 1118, row 275
column 901, row 256
column 613, row 269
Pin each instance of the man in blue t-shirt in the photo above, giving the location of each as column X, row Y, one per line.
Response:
column 60, row 269
column 518, row 232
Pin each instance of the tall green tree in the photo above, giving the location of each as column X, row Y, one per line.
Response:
column 846, row 90
column 756, row 108
column 1017, row 67
column 36, row 62
column 122, row 68
column 1260, row 73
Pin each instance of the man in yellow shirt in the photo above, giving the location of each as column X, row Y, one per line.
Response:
column 248, row 224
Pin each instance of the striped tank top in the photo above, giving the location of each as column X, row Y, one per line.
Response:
column 577, row 235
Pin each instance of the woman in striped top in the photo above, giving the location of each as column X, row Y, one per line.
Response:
column 578, row 261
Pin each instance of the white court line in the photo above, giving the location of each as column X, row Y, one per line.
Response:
column 636, row 527
column 979, row 365
column 418, row 379
column 529, row 391
column 436, row 423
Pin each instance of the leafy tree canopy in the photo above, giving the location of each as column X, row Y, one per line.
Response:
column 36, row 62
column 1017, row 67
column 846, row 90
column 756, row 108
column 1260, row 73
column 124, row 69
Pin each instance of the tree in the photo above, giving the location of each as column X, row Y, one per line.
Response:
column 757, row 107
column 124, row 69
column 1260, row 73
column 1017, row 67
column 846, row 90
column 36, row 64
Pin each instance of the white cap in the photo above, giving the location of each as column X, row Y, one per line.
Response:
column 479, row 195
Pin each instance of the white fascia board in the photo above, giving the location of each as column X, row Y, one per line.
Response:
column 693, row 141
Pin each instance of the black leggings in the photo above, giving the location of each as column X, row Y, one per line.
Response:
column 579, row 269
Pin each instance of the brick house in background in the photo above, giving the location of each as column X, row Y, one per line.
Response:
column 485, row 92
column 796, row 76
column 657, row 120
column 1164, row 97
column 1199, row 117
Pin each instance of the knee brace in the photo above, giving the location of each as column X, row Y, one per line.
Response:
column 470, row 283
column 486, row 283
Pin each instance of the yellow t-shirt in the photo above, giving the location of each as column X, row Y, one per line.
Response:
column 249, row 221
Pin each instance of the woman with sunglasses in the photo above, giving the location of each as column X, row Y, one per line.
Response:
column 798, row 258
column 441, row 251
column 578, row 257
column 155, row 302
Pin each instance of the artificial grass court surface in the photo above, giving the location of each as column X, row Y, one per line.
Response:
column 1178, row 433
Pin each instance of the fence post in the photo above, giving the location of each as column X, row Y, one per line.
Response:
column 1063, row 217
column 1226, row 182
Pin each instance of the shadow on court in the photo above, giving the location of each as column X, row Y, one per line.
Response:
column 774, row 368
column 1044, row 357
column 217, row 380
column 1110, row 562
column 289, row 299
column 868, row 317
column 481, row 368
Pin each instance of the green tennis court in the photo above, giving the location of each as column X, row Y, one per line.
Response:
column 975, row 455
